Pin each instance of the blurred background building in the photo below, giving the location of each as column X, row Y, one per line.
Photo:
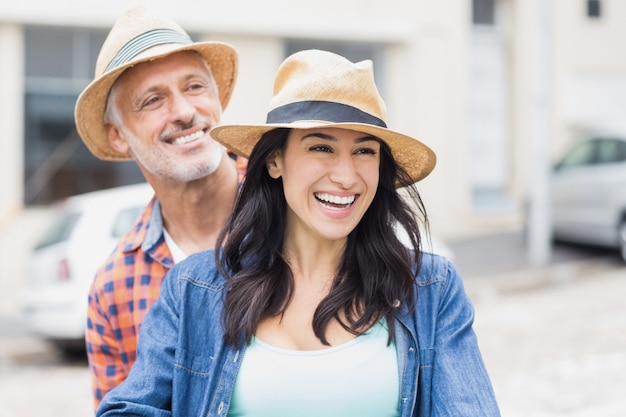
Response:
column 468, row 77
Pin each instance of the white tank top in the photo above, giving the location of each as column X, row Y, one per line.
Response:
column 177, row 253
column 357, row 378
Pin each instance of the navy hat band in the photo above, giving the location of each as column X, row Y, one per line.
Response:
column 328, row 111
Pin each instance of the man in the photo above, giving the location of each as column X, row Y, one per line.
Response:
column 155, row 96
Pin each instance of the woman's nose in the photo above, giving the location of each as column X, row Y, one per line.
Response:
column 344, row 172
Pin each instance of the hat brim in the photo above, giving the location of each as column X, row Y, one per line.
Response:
column 414, row 156
column 91, row 104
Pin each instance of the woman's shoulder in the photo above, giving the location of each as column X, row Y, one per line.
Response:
column 199, row 269
column 435, row 268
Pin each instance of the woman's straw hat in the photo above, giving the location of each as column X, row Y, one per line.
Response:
column 140, row 35
column 315, row 88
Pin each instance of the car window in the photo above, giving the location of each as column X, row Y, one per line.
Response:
column 611, row 151
column 59, row 230
column 582, row 154
column 124, row 221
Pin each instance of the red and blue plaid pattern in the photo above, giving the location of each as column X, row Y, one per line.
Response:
column 124, row 289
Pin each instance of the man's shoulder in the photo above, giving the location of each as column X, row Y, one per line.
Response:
column 127, row 259
column 123, row 266
column 134, row 238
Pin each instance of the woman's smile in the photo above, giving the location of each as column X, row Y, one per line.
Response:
column 335, row 202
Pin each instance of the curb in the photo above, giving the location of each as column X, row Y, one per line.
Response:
column 30, row 349
column 532, row 279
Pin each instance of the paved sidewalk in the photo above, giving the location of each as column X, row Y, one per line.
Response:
column 557, row 350
column 553, row 337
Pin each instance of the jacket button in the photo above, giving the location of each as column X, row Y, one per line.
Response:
column 220, row 408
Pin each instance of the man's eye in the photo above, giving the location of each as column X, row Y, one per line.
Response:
column 197, row 87
column 151, row 102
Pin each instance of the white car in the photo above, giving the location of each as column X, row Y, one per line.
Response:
column 588, row 193
column 82, row 233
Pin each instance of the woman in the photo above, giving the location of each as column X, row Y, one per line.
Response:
column 314, row 307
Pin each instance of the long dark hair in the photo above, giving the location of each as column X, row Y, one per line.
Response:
column 376, row 275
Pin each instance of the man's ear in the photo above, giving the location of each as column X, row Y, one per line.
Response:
column 116, row 140
column 274, row 165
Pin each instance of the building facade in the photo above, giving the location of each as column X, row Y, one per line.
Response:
column 488, row 84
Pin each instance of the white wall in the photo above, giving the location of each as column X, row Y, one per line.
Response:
column 591, row 71
column 259, row 58
column 11, row 120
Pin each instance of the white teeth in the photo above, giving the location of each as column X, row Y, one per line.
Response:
column 188, row 138
column 335, row 199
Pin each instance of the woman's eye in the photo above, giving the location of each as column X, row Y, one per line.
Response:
column 366, row 151
column 320, row 148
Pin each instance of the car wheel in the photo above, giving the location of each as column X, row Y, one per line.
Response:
column 622, row 238
column 71, row 348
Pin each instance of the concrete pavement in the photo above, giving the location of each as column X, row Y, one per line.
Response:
column 557, row 350
column 553, row 337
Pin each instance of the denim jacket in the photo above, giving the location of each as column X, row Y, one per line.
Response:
column 184, row 368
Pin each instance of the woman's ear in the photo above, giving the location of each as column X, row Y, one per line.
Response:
column 274, row 166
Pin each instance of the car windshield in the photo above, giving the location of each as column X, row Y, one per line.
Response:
column 594, row 152
column 125, row 220
column 59, row 230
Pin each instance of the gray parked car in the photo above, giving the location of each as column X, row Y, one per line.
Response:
column 588, row 193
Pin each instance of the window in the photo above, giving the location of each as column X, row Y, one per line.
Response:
column 125, row 220
column 611, row 151
column 59, row 63
column 483, row 12
column 594, row 9
column 60, row 229
column 599, row 150
column 583, row 154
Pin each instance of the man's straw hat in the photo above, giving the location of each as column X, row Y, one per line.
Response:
column 141, row 35
column 317, row 88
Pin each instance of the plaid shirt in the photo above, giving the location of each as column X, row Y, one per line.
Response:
column 124, row 289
